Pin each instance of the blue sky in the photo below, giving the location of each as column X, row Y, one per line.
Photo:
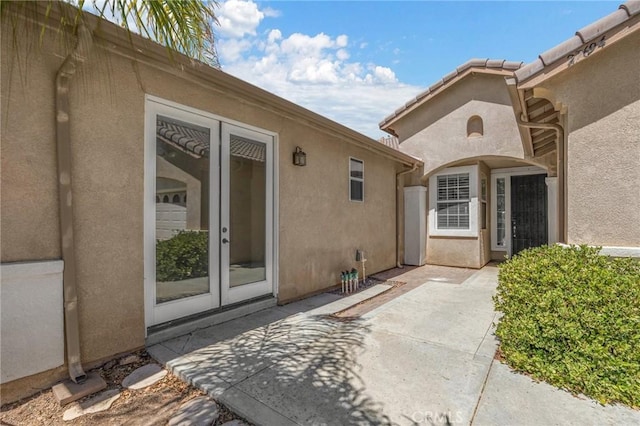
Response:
column 356, row 62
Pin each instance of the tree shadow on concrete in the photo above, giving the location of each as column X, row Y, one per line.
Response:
column 304, row 367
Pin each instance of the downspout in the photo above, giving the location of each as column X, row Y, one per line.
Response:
column 399, row 222
column 532, row 125
column 63, row 145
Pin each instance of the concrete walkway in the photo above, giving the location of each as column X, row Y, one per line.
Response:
column 425, row 357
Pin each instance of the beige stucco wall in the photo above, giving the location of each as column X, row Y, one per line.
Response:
column 451, row 251
column 602, row 97
column 467, row 252
column 437, row 133
column 29, row 204
column 437, row 130
column 320, row 228
column 247, row 199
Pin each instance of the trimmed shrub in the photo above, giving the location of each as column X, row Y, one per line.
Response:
column 572, row 318
column 186, row 255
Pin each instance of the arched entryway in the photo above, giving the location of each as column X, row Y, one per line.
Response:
column 488, row 208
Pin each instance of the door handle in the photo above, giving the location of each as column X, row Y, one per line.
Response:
column 225, row 241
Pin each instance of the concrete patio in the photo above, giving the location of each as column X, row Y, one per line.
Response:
column 424, row 356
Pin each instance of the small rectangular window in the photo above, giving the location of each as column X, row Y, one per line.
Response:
column 356, row 180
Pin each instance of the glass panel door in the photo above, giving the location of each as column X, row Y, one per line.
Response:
column 246, row 214
column 208, row 213
column 185, row 247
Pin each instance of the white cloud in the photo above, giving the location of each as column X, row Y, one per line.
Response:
column 271, row 13
column 231, row 50
column 313, row 71
column 384, row 75
column 238, row 18
column 342, row 54
column 303, row 45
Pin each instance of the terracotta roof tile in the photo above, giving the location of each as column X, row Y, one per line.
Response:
column 631, row 7
column 245, row 148
column 560, row 51
column 529, row 70
column 602, row 25
column 495, row 63
column 194, row 140
column 411, row 102
column 423, row 94
column 435, row 86
column 451, row 75
column 475, row 63
column 585, row 35
column 512, row 65
column 185, row 137
column 390, row 141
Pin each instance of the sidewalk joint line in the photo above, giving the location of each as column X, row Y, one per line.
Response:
column 484, row 385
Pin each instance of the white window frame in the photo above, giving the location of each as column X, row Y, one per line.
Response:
column 472, row 231
column 351, row 178
column 484, row 202
column 506, row 174
column 494, row 210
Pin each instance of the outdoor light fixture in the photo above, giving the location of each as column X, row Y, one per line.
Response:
column 299, row 157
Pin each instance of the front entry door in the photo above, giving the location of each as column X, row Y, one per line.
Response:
column 528, row 212
column 208, row 213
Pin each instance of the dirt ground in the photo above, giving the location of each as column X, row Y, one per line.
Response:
column 154, row 405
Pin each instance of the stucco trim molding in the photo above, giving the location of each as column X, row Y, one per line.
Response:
column 13, row 270
column 616, row 251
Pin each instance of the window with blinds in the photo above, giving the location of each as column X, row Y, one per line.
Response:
column 453, row 199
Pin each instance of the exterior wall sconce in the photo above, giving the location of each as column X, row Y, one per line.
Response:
column 299, row 157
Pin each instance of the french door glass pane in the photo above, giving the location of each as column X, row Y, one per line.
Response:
column 247, row 211
column 182, row 209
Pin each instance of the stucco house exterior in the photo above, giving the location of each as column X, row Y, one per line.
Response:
column 517, row 155
column 143, row 195
column 164, row 158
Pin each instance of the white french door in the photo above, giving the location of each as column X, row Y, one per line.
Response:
column 208, row 213
column 246, row 217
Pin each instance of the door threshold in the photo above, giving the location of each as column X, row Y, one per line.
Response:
column 170, row 329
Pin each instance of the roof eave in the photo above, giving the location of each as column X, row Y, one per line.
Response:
column 587, row 42
column 115, row 39
column 434, row 90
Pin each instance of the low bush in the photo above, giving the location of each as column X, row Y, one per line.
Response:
column 185, row 255
column 571, row 317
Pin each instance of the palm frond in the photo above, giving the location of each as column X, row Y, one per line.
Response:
column 180, row 25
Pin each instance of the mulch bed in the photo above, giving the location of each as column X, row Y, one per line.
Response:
column 153, row 405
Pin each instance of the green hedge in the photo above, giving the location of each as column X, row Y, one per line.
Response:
column 572, row 318
column 186, row 255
